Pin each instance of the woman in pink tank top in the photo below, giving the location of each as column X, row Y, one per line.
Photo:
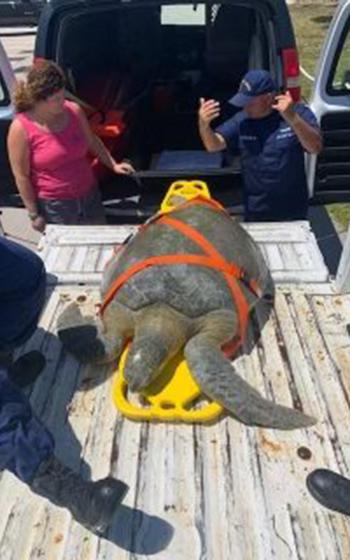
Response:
column 48, row 144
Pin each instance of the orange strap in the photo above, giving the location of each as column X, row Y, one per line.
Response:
column 230, row 271
column 211, row 259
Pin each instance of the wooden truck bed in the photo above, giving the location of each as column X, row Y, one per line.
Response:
column 217, row 492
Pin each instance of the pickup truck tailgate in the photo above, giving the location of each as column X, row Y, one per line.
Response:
column 78, row 254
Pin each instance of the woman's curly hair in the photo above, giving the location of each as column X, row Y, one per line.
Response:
column 43, row 79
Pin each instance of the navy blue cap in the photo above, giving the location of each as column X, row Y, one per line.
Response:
column 254, row 83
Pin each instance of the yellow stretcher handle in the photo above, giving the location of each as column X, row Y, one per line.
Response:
column 184, row 189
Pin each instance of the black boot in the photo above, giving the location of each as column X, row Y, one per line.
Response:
column 25, row 370
column 330, row 489
column 91, row 503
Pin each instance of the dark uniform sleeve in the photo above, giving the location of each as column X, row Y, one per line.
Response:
column 229, row 130
column 22, row 293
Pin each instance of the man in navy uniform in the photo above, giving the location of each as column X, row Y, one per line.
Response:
column 26, row 446
column 271, row 134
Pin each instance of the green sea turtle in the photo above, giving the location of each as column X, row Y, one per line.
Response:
column 164, row 308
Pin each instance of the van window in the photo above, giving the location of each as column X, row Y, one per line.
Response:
column 183, row 14
column 340, row 76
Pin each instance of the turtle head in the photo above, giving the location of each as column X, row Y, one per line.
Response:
column 144, row 362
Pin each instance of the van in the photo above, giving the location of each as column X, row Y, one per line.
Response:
column 145, row 64
column 149, row 63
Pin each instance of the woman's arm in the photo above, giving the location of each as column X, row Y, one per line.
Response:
column 97, row 147
column 18, row 151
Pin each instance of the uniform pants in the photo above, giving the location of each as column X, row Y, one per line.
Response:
column 24, row 441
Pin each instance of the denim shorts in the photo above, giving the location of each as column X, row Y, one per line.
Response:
column 87, row 210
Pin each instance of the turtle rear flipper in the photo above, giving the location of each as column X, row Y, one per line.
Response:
column 218, row 380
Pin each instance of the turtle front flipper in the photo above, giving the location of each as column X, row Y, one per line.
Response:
column 83, row 337
column 219, row 381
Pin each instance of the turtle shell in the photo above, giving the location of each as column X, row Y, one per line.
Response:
column 191, row 289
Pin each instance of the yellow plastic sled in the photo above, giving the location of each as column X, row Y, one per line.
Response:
column 174, row 395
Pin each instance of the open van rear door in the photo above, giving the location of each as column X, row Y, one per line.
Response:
column 329, row 172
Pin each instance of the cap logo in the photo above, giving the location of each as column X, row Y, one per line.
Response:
column 245, row 85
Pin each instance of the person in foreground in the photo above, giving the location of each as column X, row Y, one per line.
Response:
column 330, row 489
column 271, row 134
column 26, row 446
column 48, row 145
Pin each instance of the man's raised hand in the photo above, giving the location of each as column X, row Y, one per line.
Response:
column 209, row 109
column 284, row 105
